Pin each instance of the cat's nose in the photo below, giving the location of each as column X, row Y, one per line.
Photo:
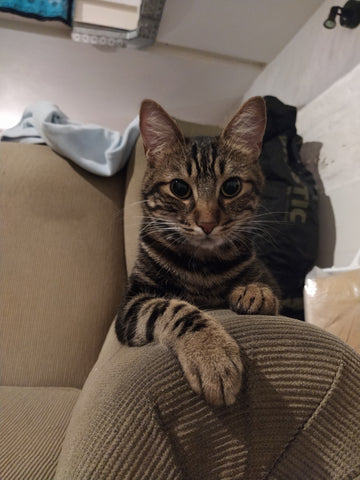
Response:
column 207, row 227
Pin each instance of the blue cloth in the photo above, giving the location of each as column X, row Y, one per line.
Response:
column 40, row 9
column 96, row 149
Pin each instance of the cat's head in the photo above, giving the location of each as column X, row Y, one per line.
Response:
column 202, row 191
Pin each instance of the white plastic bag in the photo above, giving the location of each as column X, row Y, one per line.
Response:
column 332, row 300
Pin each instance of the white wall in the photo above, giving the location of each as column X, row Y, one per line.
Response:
column 333, row 119
column 106, row 87
column 209, row 54
column 250, row 29
column 312, row 61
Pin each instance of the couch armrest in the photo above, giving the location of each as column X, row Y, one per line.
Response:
column 137, row 418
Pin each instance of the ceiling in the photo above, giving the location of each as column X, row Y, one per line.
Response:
column 253, row 30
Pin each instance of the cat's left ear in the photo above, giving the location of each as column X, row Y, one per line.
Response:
column 247, row 127
column 158, row 130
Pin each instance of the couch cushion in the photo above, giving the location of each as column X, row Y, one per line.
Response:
column 63, row 273
column 135, row 173
column 33, row 423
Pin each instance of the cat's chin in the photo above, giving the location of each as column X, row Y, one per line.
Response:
column 206, row 242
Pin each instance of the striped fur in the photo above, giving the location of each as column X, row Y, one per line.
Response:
column 200, row 196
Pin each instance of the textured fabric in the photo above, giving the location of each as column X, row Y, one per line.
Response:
column 135, row 172
column 297, row 416
column 40, row 9
column 32, row 428
column 96, row 149
column 62, row 266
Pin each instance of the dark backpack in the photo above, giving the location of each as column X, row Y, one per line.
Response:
column 286, row 235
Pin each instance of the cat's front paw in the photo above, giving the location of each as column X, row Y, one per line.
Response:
column 211, row 362
column 255, row 298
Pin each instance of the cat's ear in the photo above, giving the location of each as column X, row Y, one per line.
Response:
column 158, row 130
column 246, row 128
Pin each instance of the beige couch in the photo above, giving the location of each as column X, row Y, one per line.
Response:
column 76, row 405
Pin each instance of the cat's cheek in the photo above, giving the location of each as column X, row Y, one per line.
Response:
column 254, row 299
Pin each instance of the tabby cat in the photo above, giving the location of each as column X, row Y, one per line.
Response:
column 200, row 197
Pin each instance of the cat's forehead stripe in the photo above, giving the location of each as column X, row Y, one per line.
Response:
column 203, row 155
column 189, row 163
column 196, row 155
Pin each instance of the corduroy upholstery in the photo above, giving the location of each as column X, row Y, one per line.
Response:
column 62, row 266
column 62, row 277
column 297, row 417
column 33, row 421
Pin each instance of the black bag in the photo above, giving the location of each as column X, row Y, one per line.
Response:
column 286, row 235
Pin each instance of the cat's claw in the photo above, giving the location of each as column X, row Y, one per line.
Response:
column 254, row 299
column 211, row 363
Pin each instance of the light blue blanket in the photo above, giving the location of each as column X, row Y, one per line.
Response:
column 96, row 149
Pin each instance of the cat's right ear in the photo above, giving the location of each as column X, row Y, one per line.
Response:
column 158, row 130
column 246, row 129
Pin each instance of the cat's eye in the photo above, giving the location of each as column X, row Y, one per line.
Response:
column 180, row 188
column 231, row 187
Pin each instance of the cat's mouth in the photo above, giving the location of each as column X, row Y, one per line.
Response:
column 193, row 236
column 206, row 241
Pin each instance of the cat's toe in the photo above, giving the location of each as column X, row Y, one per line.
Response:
column 213, row 368
column 223, row 384
column 254, row 299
